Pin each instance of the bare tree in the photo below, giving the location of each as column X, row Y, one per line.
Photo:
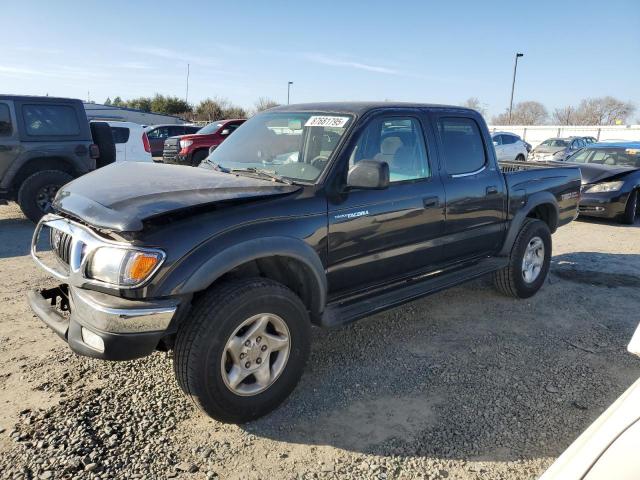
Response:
column 603, row 111
column 474, row 102
column 564, row 116
column 265, row 103
column 523, row 113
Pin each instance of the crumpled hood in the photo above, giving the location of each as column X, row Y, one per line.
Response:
column 594, row 172
column 121, row 196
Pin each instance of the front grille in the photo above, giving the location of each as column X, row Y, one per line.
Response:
column 61, row 244
column 171, row 149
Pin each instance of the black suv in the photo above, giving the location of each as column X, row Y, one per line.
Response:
column 46, row 142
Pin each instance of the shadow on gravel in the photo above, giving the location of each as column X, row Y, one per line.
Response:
column 15, row 237
column 598, row 269
column 469, row 374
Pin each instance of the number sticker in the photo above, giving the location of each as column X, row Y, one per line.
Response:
column 326, row 121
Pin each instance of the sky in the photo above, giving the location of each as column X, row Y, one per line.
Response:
column 421, row 51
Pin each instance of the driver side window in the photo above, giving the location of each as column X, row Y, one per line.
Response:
column 399, row 142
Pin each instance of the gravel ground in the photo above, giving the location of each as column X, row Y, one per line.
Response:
column 465, row 384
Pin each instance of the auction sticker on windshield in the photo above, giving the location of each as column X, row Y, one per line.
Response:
column 326, row 121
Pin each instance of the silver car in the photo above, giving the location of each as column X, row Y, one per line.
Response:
column 557, row 148
column 509, row 146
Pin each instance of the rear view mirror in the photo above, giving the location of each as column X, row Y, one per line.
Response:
column 226, row 131
column 369, row 174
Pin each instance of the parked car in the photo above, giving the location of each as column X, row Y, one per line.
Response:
column 610, row 180
column 309, row 214
column 192, row 149
column 509, row 146
column 46, row 142
column 132, row 144
column 608, row 449
column 157, row 134
column 557, row 148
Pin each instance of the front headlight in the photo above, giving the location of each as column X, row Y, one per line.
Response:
column 185, row 143
column 604, row 187
column 123, row 267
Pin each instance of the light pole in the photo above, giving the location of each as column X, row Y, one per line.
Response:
column 513, row 84
column 186, row 95
column 288, row 91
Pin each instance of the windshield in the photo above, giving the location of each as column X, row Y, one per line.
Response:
column 210, row 128
column 294, row 145
column 555, row 142
column 621, row 157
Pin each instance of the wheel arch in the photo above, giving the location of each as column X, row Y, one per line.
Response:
column 540, row 205
column 39, row 163
column 284, row 259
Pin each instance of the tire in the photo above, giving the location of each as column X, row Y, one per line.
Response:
column 631, row 210
column 512, row 279
column 520, row 158
column 37, row 191
column 202, row 340
column 103, row 137
column 198, row 157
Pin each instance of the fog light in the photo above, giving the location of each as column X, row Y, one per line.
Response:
column 93, row 340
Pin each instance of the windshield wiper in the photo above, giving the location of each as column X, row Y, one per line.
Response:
column 217, row 167
column 263, row 173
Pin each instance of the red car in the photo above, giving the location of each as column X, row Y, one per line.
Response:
column 192, row 149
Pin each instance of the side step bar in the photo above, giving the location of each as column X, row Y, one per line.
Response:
column 346, row 311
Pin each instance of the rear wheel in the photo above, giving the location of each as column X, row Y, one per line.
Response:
column 631, row 209
column 243, row 349
column 37, row 192
column 528, row 263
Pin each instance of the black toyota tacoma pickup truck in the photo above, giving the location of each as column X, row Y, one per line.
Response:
column 316, row 214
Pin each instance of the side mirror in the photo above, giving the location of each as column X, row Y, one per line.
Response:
column 226, row 131
column 369, row 174
column 495, row 143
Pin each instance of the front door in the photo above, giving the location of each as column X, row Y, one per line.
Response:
column 379, row 235
column 474, row 186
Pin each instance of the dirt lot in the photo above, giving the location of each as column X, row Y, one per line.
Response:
column 465, row 384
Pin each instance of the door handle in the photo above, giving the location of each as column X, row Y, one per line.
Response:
column 492, row 190
column 429, row 202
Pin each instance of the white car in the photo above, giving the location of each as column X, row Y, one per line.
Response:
column 509, row 146
column 609, row 448
column 132, row 144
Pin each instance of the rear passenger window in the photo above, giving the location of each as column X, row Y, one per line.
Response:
column 397, row 141
column 43, row 120
column 5, row 120
column 120, row 134
column 462, row 145
column 508, row 139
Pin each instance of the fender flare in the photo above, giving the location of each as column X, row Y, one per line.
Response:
column 515, row 225
column 23, row 160
column 202, row 276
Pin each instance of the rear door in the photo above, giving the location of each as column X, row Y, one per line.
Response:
column 474, row 187
column 9, row 142
column 156, row 137
column 499, row 146
column 377, row 236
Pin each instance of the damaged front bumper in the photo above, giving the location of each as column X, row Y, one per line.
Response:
column 103, row 326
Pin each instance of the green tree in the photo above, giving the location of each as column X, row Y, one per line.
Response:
column 107, row 101
column 117, row 102
column 141, row 103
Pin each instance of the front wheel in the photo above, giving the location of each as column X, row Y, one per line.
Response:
column 631, row 208
column 198, row 157
column 243, row 350
column 528, row 263
column 520, row 158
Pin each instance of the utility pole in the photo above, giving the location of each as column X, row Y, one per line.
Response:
column 288, row 91
column 513, row 84
column 186, row 95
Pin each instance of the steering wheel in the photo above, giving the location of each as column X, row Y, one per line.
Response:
column 319, row 162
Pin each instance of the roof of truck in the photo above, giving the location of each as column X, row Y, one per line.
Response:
column 39, row 98
column 359, row 107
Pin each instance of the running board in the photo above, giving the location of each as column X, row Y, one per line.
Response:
column 348, row 310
